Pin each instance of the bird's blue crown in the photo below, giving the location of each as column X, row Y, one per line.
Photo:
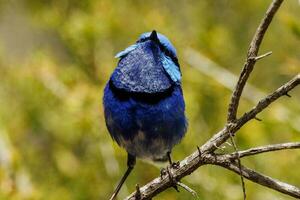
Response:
column 164, row 41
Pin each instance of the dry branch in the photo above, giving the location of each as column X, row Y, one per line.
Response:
column 219, row 138
column 195, row 160
column 250, row 62
column 261, row 179
column 264, row 149
column 205, row 154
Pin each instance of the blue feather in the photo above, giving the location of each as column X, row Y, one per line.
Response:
column 142, row 70
column 126, row 51
column 171, row 68
column 163, row 40
column 144, row 129
column 143, row 101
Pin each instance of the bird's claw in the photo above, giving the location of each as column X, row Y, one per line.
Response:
column 167, row 172
column 172, row 179
column 163, row 172
column 175, row 165
column 138, row 192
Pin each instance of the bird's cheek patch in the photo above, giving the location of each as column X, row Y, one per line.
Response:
column 126, row 51
column 171, row 68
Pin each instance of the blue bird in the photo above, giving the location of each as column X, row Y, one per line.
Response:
column 143, row 101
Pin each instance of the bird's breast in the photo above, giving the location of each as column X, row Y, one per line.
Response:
column 145, row 128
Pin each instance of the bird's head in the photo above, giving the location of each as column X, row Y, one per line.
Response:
column 149, row 65
column 159, row 46
column 165, row 45
column 161, row 40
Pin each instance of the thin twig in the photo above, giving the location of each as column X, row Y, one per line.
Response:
column 287, row 94
column 262, row 104
column 193, row 161
column 249, row 64
column 239, row 165
column 262, row 179
column 258, row 119
column 262, row 56
column 205, row 154
column 187, row 188
column 223, row 135
column 264, row 149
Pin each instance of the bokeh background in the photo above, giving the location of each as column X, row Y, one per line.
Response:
column 56, row 56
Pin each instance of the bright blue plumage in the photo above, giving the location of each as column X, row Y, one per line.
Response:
column 171, row 68
column 163, row 40
column 126, row 51
column 143, row 100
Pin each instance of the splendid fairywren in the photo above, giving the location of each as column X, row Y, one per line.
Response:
column 143, row 101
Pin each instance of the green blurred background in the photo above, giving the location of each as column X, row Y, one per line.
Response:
column 56, row 56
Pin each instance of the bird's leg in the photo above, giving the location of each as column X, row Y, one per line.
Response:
column 172, row 179
column 130, row 165
column 175, row 183
column 172, row 164
column 167, row 171
column 163, row 171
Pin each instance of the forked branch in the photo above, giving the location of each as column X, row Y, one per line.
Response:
column 196, row 159
column 250, row 61
column 261, row 179
column 221, row 137
column 205, row 154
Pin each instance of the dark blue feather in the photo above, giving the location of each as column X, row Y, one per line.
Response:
column 143, row 100
column 142, row 70
column 145, row 127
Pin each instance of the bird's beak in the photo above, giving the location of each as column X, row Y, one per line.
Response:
column 153, row 36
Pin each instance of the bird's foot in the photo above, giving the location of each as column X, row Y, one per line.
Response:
column 138, row 192
column 174, row 165
column 163, row 173
column 172, row 179
column 167, row 172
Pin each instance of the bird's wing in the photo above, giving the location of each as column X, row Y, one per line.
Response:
column 171, row 68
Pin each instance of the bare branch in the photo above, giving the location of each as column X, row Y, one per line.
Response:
column 195, row 160
column 249, row 64
column 186, row 167
column 262, row 179
column 264, row 149
column 223, row 135
column 239, row 165
column 262, row 104
column 205, row 154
